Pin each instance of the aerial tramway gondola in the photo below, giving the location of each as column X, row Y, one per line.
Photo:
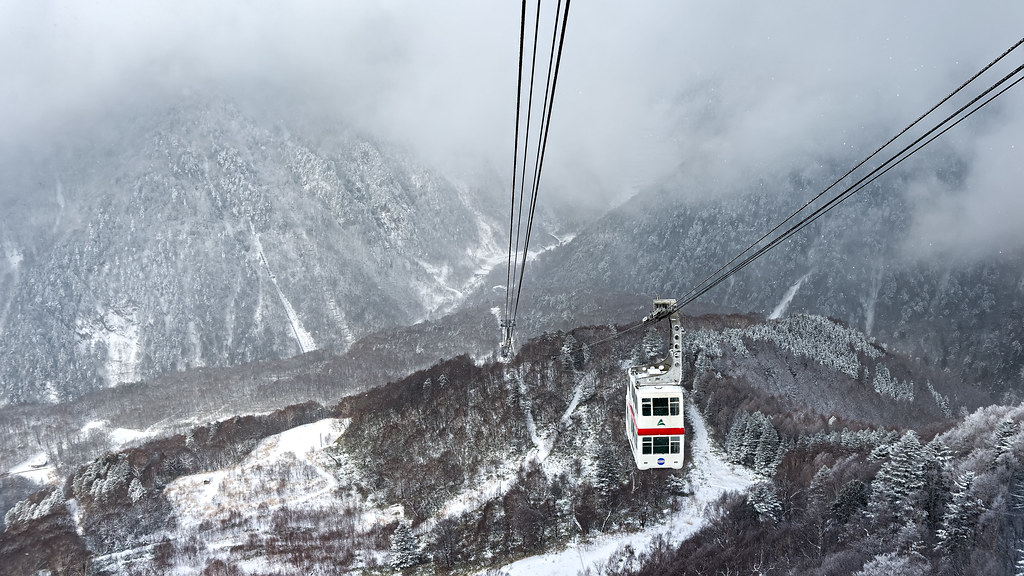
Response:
column 654, row 401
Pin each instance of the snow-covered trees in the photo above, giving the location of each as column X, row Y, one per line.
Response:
column 959, row 524
column 405, row 548
column 753, row 441
column 765, row 501
column 941, row 400
column 817, row 338
column 608, row 472
column 1002, row 438
column 886, row 385
column 896, row 488
column 892, row 563
column 653, row 345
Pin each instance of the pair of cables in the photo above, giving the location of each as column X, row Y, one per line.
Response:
column 519, row 233
column 976, row 99
column 806, row 215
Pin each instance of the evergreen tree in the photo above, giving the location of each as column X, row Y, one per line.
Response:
column 751, row 437
column 565, row 356
column 959, row 525
column 405, row 548
column 734, row 441
column 608, row 472
column 763, row 498
column 768, row 449
column 897, row 487
column 1002, row 438
column 753, row 441
column 936, row 487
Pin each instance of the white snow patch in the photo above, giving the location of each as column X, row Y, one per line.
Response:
column 781, row 308
column 13, row 255
column 118, row 437
column 121, row 436
column 93, row 425
column 300, row 440
column 60, row 204
column 340, row 322
column 439, row 295
column 118, row 333
column 559, row 241
column 491, row 485
column 36, row 468
column 76, row 513
column 710, row 477
column 448, row 292
column 14, row 258
column 871, row 300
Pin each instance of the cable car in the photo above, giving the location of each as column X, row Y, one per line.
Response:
column 654, row 402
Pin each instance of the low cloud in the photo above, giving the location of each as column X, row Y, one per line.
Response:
column 687, row 89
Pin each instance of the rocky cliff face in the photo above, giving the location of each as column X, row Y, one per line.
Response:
column 201, row 235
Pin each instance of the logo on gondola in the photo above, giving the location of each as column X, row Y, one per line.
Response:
column 661, row 461
column 661, row 422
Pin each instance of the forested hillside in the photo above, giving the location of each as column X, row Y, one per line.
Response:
column 467, row 466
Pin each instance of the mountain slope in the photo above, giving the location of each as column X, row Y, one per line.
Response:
column 857, row 264
column 203, row 235
column 480, row 464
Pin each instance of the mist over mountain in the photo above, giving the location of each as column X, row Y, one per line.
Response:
column 203, row 236
column 862, row 263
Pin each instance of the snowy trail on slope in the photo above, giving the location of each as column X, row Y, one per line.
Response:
column 497, row 482
column 781, row 308
column 302, row 337
column 711, row 476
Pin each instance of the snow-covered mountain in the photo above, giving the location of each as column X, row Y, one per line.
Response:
column 466, row 466
column 202, row 234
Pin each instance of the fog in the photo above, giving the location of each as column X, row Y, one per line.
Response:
column 720, row 90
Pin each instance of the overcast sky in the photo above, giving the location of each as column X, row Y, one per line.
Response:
column 646, row 87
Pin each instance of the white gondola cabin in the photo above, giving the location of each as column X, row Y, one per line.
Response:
column 654, row 403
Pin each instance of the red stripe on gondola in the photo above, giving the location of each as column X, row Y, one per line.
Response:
column 659, row 431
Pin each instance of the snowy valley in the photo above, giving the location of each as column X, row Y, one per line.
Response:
column 800, row 437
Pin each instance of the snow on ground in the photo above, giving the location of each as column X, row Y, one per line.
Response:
column 301, row 439
column 448, row 292
column 36, row 468
column 495, row 483
column 214, row 495
column 118, row 437
column 710, row 477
